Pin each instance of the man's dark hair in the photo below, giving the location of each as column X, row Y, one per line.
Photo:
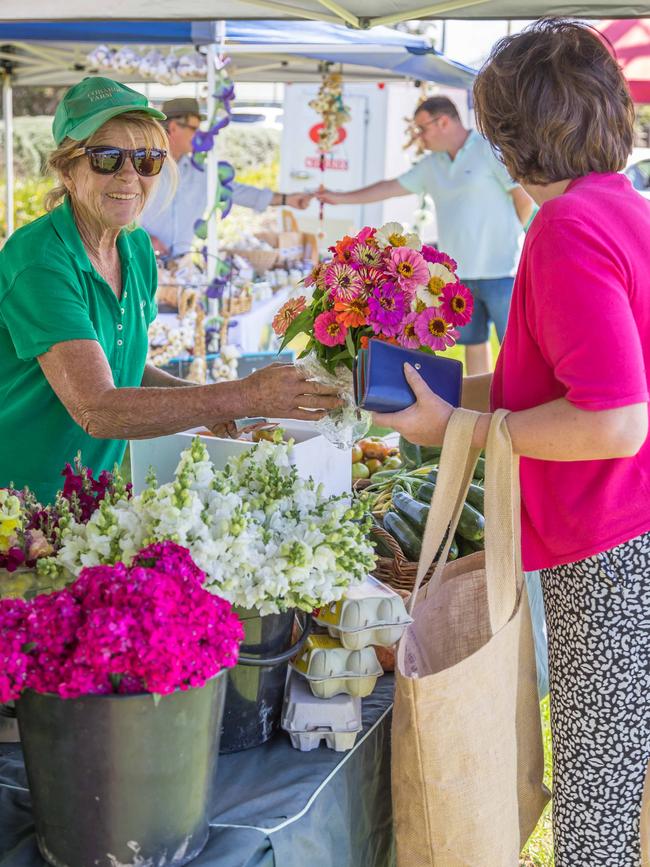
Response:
column 552, row 100
column 438, row 105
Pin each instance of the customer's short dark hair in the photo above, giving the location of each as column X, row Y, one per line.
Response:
column 439, row 105
column 553, row 101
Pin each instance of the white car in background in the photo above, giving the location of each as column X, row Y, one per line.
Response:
column 638, row 170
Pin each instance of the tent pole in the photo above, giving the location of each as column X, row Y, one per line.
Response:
column 213, row 156
column 8, row 121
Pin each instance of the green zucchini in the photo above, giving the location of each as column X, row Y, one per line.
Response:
column 404, row 535
column 471, row 525
column 415, row 456
column 476, row 497
column 464, row 547
column 411, row 510
column 453, row 551
column 425, row 492
column 381, row 547
column 479, row 470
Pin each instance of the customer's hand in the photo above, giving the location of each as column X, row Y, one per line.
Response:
column 424, row 423
column 299, row 200
column 281, row 391
column 328, row 197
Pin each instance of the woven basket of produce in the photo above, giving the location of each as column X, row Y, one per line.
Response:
column 393, row 568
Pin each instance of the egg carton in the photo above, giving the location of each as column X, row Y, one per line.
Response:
column 331, row 669
column 308, row 720
column 370, row 613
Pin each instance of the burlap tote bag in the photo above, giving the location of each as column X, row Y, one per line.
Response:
column 468, row 759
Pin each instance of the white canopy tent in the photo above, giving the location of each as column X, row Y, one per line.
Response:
column 356, row 13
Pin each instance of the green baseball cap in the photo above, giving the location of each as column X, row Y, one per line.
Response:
column 92, row 102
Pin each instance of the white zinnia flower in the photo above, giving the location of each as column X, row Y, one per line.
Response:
column 395, row 235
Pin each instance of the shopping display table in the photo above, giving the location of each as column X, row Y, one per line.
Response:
column 274, row 807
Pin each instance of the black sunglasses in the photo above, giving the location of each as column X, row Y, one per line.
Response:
column 106, row 160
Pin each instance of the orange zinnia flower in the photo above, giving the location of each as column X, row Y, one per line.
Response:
column 287, row 313
column 352, row 313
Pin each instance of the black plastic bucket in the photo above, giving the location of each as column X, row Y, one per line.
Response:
column 122, row 779
column 256, row 684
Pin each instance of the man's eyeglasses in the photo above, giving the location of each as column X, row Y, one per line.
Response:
column 422, row 127
column 188, row 125
column 107, row 160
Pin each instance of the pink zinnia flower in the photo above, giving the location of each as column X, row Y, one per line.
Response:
column 342, row 281
column 434, row 330
column 407, row 268
column 365, row 254
column 328, row 330
column 407, row 336
column 457, row 303
column 317, row 276
column 430, row 254
column 367, row 236
column 387, row 306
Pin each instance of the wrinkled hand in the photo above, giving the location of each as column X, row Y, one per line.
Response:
column 281, row 391
column 423, row 423
column 327, row 197
column 299, row 200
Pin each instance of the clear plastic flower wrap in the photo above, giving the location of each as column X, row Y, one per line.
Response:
column 344, row 426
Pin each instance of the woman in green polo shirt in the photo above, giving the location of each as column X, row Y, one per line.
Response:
column 76, row 299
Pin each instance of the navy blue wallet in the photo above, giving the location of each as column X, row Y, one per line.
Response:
column 380, row 384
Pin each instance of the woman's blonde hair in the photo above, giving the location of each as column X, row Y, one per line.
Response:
column 62, row 159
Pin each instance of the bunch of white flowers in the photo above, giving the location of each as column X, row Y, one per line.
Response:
column 265, row 538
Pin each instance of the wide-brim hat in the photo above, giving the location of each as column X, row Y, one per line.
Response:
column 182, row 106
column 91, row 103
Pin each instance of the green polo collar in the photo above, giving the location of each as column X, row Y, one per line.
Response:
column 66, row 228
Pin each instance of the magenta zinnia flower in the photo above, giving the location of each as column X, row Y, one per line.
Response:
column 387, row 306
column 407, row 268
column 342, row 281
column 328, row 330
column 407, row 336
column 457, row 303
column 433, row 329
column 430, row 254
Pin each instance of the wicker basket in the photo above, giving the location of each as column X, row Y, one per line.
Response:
column 234, row 306
column 260, row 260
column 176, row 295
column 398, row 572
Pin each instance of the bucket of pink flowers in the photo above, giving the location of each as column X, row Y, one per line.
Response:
column 119, row 683
column 382, row 283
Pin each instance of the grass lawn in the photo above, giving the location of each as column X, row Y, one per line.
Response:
column 539, row 849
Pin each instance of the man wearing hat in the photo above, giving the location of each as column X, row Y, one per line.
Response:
column 169, row 219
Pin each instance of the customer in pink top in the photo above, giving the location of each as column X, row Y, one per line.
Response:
column 574, row 370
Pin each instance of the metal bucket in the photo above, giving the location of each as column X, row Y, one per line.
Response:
column 256, row 684
column 122, row 779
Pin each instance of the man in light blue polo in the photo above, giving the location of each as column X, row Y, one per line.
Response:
column 480, row 213
column 169, row 215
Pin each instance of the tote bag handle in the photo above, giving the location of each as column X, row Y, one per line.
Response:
column 502, row 510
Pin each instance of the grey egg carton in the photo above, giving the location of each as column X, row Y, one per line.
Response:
column 371, row 613
column 309, row 720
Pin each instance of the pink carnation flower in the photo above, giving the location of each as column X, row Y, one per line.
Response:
column 430, row 254
column 328, row 330
column 434, row 330
column 407, row 268
column 457, row 303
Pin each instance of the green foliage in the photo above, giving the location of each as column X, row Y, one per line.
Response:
column 29, row 195
column 538, row 852
column 248, row 147
column 32, row 144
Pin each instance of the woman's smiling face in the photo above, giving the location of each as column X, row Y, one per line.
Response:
column 117, row 199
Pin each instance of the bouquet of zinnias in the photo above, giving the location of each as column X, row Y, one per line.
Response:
column 150, row 627
column 381, row 283
column 265, row 538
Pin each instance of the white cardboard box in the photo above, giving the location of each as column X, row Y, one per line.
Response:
column 313, row 456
